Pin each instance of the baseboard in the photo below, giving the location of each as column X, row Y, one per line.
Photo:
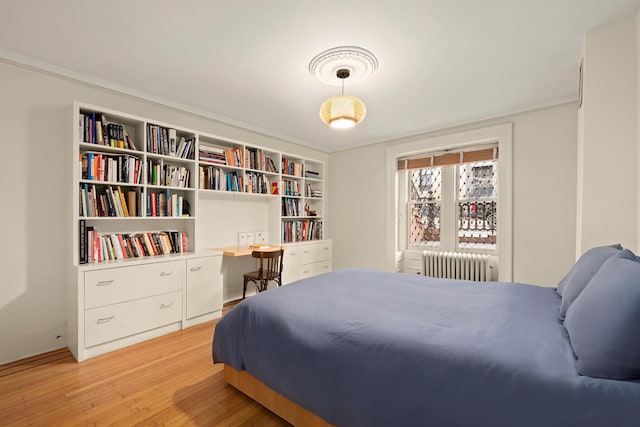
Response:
column 32, row 343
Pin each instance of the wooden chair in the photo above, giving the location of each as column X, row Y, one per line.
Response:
column 270, row 270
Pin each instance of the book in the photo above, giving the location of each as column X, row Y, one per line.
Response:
column 259, row 246
column 172, row 142
column 123, row 202
column 131, row 203
column 82, row 244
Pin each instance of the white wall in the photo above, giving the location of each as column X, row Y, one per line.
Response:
column 544, row 170
column 608, row 139
column 35, row 214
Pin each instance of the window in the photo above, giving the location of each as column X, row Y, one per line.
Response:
column 477, row 205
column 432, row 151
column 452, row 206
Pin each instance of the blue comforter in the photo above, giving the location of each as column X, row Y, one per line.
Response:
column 366, row 348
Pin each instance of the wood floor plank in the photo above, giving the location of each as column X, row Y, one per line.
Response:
column 167, row 381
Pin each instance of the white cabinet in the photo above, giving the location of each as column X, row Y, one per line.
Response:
column 306, row 260
column 204, row 286
column 115, row 305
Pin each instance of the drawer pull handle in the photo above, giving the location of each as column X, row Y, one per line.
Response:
column 105, row 319
column 325, row 267
column 325, row 248
column 306, row 252
column 305, row 272
column 196, row 268
column 105, row 282
column 163, row 306
column 166, row 273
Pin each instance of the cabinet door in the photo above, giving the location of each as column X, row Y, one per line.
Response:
column 290, row 265
column 204, row 285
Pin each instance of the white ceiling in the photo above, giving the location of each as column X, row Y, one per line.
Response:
column 442, row 62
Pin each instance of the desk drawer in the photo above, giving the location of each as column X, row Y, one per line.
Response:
column 116, row 321
column 114, row 285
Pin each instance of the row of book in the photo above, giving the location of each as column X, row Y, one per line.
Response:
column 311, row 174
column 291, row 188
column 97, row 247
column 258, row 183
column 233, row 157
column 290, row 207
column 301, row 230
column 164, row 141
column 106, row 201
column 159, row 173
column 220, row 156
column 212, row 178
column 290, row 167
column 165, row 204
column 210, row 154
column 255, row 158
column 122, row 168
column 94, row 128
column 313, row 192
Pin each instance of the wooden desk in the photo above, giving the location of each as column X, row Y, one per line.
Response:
column 245, row 250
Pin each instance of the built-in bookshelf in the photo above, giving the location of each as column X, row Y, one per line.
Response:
column 293, row 186
column 137, row 183
column 302, row 199
column 135, row 187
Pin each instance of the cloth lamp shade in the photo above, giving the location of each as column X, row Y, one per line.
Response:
column 342, row 111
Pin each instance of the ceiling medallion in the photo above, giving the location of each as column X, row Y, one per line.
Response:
column 358, row 61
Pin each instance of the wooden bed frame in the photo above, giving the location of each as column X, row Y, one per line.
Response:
column 272, row 400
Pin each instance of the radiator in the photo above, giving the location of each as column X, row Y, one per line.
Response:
column 460, row 265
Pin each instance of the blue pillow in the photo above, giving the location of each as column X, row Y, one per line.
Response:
column 583, row 270
column 604, row 321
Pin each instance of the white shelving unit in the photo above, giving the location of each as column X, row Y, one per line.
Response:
column 146, row 187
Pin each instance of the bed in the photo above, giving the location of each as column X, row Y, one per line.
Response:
column 368, row 348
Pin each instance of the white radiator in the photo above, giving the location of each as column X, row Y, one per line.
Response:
column 460, row 265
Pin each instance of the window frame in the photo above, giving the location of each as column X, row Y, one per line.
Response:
column 502, row 135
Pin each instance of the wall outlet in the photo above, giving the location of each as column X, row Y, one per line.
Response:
column 251, row 239
column 261, row 237
column 243, row 238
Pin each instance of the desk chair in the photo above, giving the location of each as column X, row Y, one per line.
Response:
column 270, row 270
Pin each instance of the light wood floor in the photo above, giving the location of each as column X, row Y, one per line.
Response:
column 167, row 381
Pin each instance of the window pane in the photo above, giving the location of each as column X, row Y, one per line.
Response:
column 478, row 180
column 424, row 224
column 477, row 208
column 425, row 185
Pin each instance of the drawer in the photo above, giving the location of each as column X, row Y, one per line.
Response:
column 104, row 324
column 315, row 252
column 113, row 285
column 314, row 269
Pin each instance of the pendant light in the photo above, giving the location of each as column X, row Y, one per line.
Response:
column 333, row 67
column 343, row 111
